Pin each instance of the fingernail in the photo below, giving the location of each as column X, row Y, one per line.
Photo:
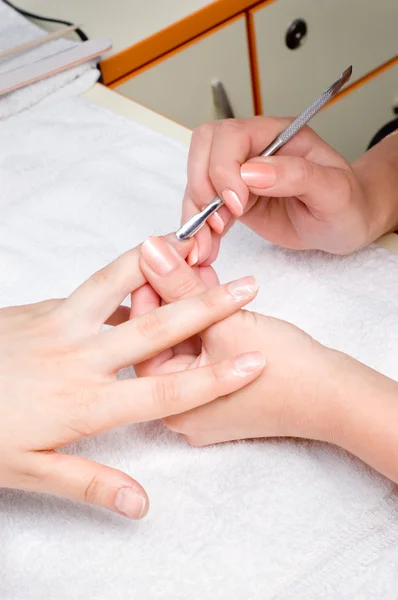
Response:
column 193, row 256
column 216, row 222
column 258, row 175
column 243, row 288
column 232, row 201
column 249, row 363
column 130, row 503
column 158, row 256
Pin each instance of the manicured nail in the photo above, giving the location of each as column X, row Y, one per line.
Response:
column 232, row 201
column 158, row 256
column 193, row 256
column 258, row 175
column 249, row 363
column 130, row 503
column 243, row 288
column 216, row 222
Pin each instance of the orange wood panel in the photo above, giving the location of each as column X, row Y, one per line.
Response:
column 251, row 36
column 146, row 51
column 173, row 52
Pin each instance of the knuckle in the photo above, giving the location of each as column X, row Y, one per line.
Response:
column 82, row 416
column 100, row 277
column 186, row 287
column 202, row 133
column 33, row 470
column 219, row 172
column 150, row 325
column 166, row 394
column 305, row 171
column 218, row 373
column 230, row 125
column 251, row 319
column 210, row 300
column 93, row 489
column 48, row 306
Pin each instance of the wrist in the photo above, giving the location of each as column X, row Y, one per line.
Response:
column 377, row 174
column 363, row 413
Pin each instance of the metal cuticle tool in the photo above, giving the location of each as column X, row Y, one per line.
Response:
column 192, row 226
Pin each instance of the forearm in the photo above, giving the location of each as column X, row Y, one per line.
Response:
column 377, row 172
column 365, row 414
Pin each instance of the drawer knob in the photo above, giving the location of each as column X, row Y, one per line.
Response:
column 296, row 34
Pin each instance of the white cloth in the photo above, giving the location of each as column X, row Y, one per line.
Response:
column 243, row 521
column 16, row 30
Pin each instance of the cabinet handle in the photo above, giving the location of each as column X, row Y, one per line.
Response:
column 221, row 101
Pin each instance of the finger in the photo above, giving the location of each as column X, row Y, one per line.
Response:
column 193, row 256
column 229, row 221
column 291, row 176
column 144, row 300
column 234, row 142
column 148, row 335
column 199, row 186
column 204, row 236
column 157, row 397
column 98, row 297
column 208, row 276
column 200, row 191
column 82, row 480
column 215, row 247
column 168, row 274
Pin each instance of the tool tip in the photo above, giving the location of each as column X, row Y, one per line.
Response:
column 347, row 74
column 337, row 85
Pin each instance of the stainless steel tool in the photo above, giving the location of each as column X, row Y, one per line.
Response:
column 192, row 226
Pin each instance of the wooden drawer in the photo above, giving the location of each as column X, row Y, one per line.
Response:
column 350, row 123
column 339, row 33
column 179, row 86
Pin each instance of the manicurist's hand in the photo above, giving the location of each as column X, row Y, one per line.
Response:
column 58, row 379
column 305, row 197
column 306, row 390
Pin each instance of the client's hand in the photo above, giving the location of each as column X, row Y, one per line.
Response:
column 306, row 390
column 58, row 379
column 286, row 400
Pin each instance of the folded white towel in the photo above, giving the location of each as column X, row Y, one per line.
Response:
column 247, row 521
column 15, row 30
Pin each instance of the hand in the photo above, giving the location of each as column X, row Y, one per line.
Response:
column 58, row 380
column 306, row 197
column 290, row 398
column 306, row 390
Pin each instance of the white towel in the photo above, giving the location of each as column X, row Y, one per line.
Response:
column 15, row 30
column 243, row 521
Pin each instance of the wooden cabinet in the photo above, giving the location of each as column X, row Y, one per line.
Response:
column 339, row 33
column 179, row 86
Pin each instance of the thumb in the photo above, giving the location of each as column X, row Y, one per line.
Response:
column 286, row 176
column 83, row 480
